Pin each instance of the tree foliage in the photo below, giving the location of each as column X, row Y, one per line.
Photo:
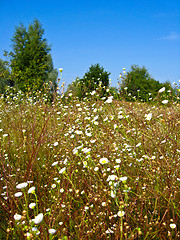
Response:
column 31, row 62
column 5, row 79
column 95, row 78
column 139, row 84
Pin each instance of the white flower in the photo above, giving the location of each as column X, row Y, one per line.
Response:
column 118, row 160
column 113, row 194
column 172, row 225
column 109, row 100
column 62, row 170
column 22, row 185
column 61, row 190
column 53, row 185
column 18, row 194
column 55, row 144
column 75, row 151
column 123, row 179
column 86, row 150
column 112, row 178
column 148, row 116
column 96, row 169
column 104, row 204
column 31, row 190
column 109, row 231
column 51, row 231
column 17, row 217
column 38, row 218
column 88, row 134
column 93, row 92
column 55, row 163
column 120, row 213
column 165, row 101
column 32, row 205
column 104, row 160
column 34, row 229
column 162, row 89
column 78, row 132
column 84, row 163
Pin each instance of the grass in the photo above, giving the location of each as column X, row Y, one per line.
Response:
column 100, row 169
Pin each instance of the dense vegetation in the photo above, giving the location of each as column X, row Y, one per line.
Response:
column 138, row 84
column 29, row 63
column 89, row 169
column 95, row 78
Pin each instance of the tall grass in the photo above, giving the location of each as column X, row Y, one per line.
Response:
column 91, row 169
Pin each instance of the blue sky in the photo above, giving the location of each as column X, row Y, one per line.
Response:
column 115, row 34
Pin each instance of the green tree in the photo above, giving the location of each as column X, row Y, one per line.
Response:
column 31, row 62
column 5, row 79
column 138, row 83
column 93, row 79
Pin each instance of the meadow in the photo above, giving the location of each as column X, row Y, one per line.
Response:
column 89, row 169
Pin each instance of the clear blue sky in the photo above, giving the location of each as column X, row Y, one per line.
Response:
column 114, row 33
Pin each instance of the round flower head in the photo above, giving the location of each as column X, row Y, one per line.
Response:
column 60, row 69
column 172, row 225
column 17, row 217
column 38, row 218
column 148, row 116
column 104, row 160
column 18, row 194
column 55, row 144
column 31, row 190
column 120, row 213
column 165, row 101
column 55, row 163
column 62, row 170
column 22, row 185
column 32, row 205
column 109, row 100
column 162, row 89
column 51, row 231
column 123, row 179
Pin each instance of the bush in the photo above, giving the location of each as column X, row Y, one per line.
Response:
column 95, row 79
column 138, row 84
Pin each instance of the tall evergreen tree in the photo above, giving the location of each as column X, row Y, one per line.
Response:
column 31, row 61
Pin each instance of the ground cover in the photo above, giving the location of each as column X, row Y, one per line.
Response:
column 89, row 169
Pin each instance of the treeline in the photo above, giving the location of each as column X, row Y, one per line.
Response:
column 136, row 84
column 29, row 68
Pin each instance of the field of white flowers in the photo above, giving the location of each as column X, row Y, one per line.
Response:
column 90, row 169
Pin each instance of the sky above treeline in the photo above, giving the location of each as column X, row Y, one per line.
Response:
column 115, row 34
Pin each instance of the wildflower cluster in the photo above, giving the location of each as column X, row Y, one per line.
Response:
column 88, row 169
